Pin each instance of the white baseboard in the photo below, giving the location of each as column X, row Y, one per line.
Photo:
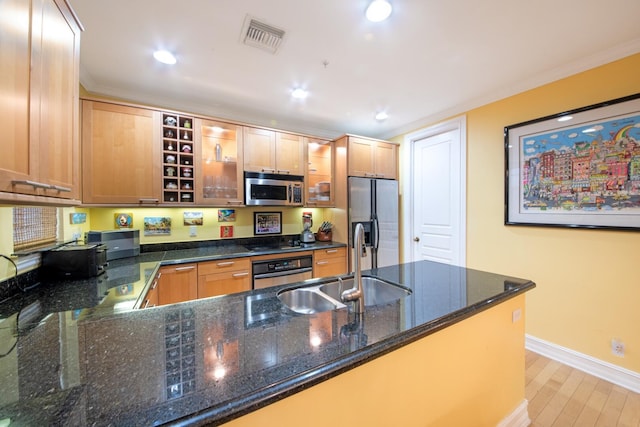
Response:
column 596, row 367
column 518, row 418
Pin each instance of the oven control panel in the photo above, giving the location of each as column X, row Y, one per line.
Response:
column 276, row 265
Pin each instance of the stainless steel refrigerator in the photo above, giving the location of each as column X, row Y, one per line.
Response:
column 374, row 203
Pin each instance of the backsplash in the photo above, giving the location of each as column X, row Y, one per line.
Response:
column 15, row 285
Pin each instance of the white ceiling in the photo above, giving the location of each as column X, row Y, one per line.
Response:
column 431, row 59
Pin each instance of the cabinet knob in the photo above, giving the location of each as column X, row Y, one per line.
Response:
column 416, row 239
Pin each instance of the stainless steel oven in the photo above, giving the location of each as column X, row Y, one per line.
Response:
column 282, row 271
column 262, row 189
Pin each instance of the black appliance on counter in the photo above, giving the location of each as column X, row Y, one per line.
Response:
column 75, row 261
column 120, row 243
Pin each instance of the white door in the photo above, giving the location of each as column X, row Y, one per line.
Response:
column 436, row 208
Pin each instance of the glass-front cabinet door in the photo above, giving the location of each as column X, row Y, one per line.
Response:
column 319, row 173
column 219, row 152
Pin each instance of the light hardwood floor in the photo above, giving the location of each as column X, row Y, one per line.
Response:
column 561, row 396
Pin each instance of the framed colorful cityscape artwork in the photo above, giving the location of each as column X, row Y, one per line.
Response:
column 579, row 168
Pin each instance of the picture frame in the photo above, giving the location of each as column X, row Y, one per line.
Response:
column 578, row 169
column 267, row 223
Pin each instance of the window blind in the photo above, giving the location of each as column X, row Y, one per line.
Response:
column 34, row 226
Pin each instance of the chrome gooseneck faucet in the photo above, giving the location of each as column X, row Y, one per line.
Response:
column 356, row 294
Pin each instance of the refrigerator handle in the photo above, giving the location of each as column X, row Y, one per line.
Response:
column 376, row 234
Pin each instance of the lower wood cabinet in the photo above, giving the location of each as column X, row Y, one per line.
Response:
column 186, row 282
column 178, row 283
column 329, row 262
column 223, row 277
column 151, row 298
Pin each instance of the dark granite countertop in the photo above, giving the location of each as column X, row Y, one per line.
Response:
column 94, row 360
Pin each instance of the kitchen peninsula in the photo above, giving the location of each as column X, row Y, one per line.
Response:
column 452, row 349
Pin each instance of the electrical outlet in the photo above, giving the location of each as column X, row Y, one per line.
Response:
column 617, row 347
column 516, row 315
column 193, row 231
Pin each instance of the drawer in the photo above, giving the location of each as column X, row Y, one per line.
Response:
column 325, row 267
column 210, row 285
column 330, row 253
column 223, row 265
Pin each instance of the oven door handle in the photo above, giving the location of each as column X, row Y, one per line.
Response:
column 283, row 273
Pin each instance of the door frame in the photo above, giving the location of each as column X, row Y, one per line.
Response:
column 459, row 125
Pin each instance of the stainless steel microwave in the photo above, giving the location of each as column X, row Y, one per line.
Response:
column 263, row 189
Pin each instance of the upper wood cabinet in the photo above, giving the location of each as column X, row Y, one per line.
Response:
column 39, row 115
column 268, row 151
column 372, row 159
column 319, row 173
column 121, row 154
column 219, row 163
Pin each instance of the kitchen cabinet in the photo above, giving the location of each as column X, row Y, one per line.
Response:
column 177, row 159
column 223, row 277
column 178, row 283
column 268, row 151
column 329, row 262
column 39, row 63
column 319, row 173
column 151, row 298
column 219, row 160
column 372, row 158
column 120, row 154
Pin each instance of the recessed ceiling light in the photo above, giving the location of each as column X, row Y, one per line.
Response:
column 378, row 10
column 165, row 57
column 299, row 93
column 381, row 116
column 564, row 118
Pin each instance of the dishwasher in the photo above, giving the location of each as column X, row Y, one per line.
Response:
column 281, row 271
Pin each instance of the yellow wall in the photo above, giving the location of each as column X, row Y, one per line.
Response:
column 588, row 282
column 103, row 219
column 469, row 374
column 6, row 242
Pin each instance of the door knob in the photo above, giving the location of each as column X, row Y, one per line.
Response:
column 416, row 239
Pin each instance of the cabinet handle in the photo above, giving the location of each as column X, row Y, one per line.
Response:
column 322, row 262
column 155, row 284
column 225, row 264
column 146, row 303
column 244, row 274
column 331, row 251
column 313, row 170
column 380, row 175
column 234, row 202
column 185, row 268
column 284, row 171
column 61, row 189
column 33, row 184
column 268, row 170
column 143, row 201
column 369, row 174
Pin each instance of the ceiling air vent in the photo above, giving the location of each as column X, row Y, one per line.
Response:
column 261, row 35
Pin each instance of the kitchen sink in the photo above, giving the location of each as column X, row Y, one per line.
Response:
column 376, row 291
column 326, row 297
column 307, row 300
